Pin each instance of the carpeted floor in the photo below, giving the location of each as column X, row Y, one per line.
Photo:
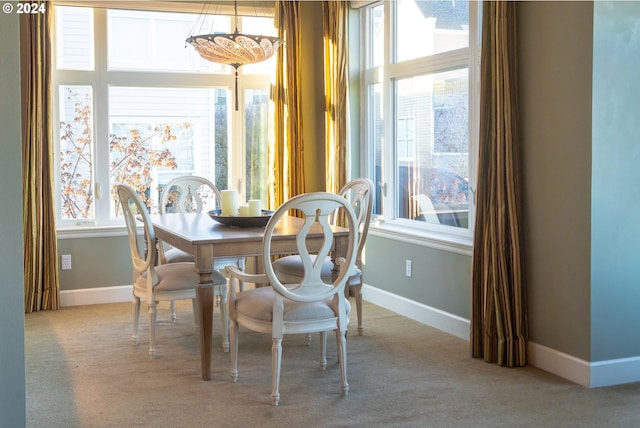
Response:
column 82, row 371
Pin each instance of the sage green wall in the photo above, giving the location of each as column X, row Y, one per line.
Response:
column 96, row 262
column 12, row 365
column 440, row 279
column 615, row 256
column 555, row 57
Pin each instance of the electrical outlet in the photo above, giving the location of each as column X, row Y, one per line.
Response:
column 66, row 261
column 407, row 268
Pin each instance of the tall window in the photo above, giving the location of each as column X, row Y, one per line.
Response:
column 420, row 96
column 137, row 106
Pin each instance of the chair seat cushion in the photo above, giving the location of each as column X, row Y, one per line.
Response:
column 176, row 255
column 176, row 277
column 258, row 304
column 289, row 270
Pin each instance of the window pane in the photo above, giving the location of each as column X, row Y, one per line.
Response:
column 156, row 41
column 221, row 136
column 432, row 140
column 377, row 35
column 157, row 134
column 376, row 123
column 74, row 38
column 262, row 27
column 426, row 27
column 256, row 135
column 76, row 153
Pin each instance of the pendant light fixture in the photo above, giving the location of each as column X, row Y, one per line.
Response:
column 234, row 49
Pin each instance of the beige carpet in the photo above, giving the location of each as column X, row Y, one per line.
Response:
column 82, row 371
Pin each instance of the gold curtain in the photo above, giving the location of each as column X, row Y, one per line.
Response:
column 499, row 316
column 40, row 242
column 335, row 15
column 286, row 148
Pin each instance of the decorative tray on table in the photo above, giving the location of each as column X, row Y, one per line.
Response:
column 260, row 221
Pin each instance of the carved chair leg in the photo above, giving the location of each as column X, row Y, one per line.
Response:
column 234, row 350
column 323, row 350
column 152, row 309
column 224, row 316
column 136, row 319
column 342, row 356
column 358, row 293
column 276, row 360
column 172, row 310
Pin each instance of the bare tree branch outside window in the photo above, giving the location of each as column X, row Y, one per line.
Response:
column 133, row 159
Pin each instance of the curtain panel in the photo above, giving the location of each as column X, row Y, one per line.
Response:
column 335, row 26
column 499, row 330
column 286, row 147
column 41, row 277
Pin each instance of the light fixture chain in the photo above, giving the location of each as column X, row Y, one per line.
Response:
column 235, row 7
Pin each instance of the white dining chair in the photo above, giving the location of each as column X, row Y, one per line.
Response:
column 190, row 194
column 307, row 306
column 154, row 283
column 359, row 192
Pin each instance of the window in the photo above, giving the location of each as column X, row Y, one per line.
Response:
column 136, row 106
column 406, row 138
column 420, row 90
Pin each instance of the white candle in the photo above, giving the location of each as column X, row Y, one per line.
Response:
column 244, row 210
column 255, row 207
column 229, row 202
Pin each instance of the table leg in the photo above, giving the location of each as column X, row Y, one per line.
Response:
column 204, row 300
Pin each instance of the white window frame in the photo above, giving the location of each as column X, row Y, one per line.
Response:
column 454, row 239
column 100, row 78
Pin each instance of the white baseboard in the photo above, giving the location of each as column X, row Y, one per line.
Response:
column 590, row 375
column 433, row 317
column 559, row 363
column 93, row 296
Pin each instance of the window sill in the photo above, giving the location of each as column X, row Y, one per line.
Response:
column 78, row 232
column 440, row 241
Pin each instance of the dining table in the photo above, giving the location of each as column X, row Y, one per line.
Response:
column 203, row 237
